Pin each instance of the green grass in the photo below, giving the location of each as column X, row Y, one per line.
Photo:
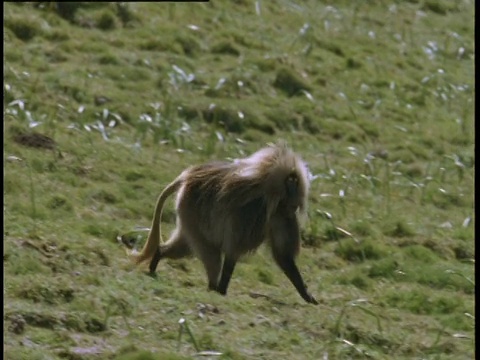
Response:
column 376, row 97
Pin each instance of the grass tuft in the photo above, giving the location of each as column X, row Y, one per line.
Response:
column 398, row 229
column 355, row 251
column 420, row 253
column 225, row 47
column 419, row 302
column 24, row 28
column 107, row 21
column 67, row 10
column 289, row 82
column 383, row 268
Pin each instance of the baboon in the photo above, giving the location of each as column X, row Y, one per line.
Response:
column 228, row 209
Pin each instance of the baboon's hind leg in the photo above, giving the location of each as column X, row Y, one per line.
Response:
column 227, row 271
column 211, row 258
column 175, row 248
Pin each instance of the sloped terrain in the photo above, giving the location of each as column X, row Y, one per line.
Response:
column 105, row 103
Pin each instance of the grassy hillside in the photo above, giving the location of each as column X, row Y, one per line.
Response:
column 104, row 104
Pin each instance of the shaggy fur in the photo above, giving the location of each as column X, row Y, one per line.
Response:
column 228, row 209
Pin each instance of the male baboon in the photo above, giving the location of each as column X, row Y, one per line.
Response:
column 227, row 209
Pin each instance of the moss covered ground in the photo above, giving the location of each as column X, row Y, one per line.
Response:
column 105, row 103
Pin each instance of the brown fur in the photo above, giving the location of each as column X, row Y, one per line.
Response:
column 228, row 209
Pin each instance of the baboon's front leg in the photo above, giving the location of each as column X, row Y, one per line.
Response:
column 290, row 269
column 285, row 242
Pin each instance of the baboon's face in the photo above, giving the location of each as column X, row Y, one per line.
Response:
column 292, row 187
column 291, row 184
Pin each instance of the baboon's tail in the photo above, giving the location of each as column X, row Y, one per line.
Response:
column 154, row 236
